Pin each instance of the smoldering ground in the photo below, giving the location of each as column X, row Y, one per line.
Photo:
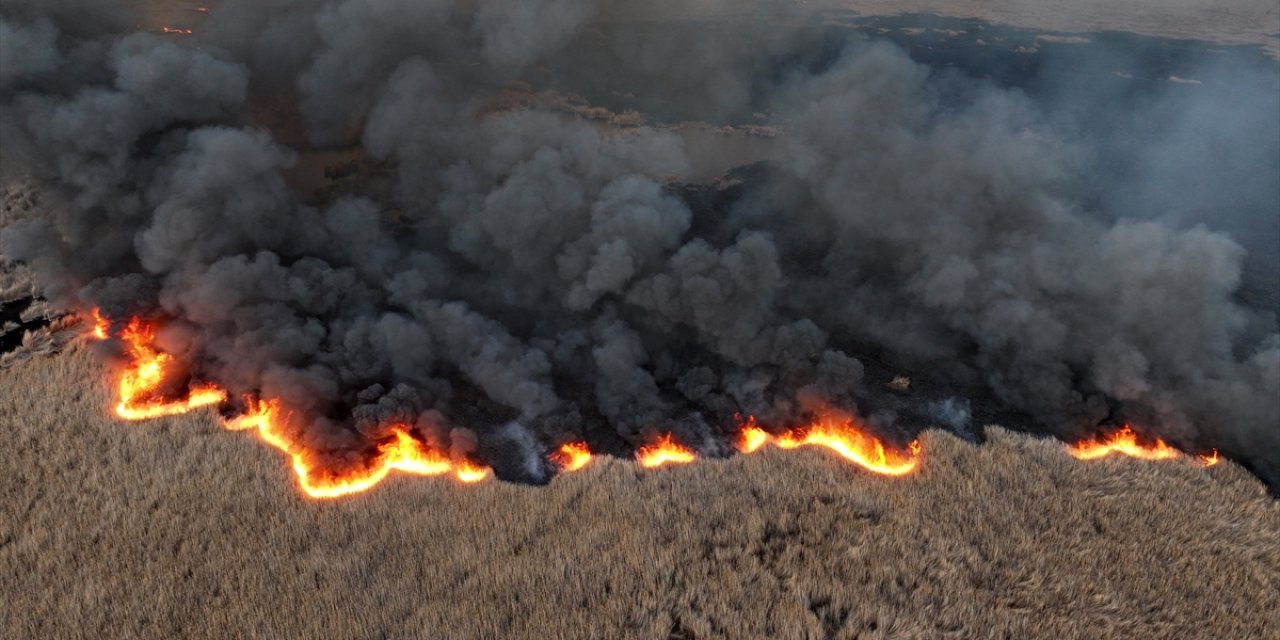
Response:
column 534, row 276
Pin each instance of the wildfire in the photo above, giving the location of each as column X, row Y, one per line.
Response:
column 571, row 456
column 150, row 382
column 664, row 451
column 752, row 438
column 403, row 453
column 142, row 383
column 1124, row 441
column 840, row 434
column 177, row 31
column 101, row 326
column 470, row 472
column 143, row 395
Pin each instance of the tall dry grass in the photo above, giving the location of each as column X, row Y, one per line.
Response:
column 178, row 529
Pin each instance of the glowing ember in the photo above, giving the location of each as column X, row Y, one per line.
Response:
column 840, row 434
column 142, row 383
column 1124, row 441
column 1209, row 459
column 571, row 456
column 664, row 451
column 178, row 31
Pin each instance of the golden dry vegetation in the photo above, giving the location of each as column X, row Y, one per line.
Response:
column 1247, row 22
column 178, row 529
column 1237, row 22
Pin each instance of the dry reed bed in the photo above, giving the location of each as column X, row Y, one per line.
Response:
column 177, row 528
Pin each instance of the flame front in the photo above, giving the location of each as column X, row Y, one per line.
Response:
column 1123, row 441
column 148, row 382
column 471, row 472
column 178, row 31
column 664, row 451
column 752, row 438
column 143, row 381
column 403, row 453
column 571, row 456
column 840, row 434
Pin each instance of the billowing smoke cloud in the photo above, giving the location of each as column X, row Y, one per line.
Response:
column 533, row 276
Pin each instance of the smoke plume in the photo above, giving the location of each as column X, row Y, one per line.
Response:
column 528, row 276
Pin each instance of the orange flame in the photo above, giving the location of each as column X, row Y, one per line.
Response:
column 470, row 472
column 142, row 386
column 571, row 456
column 840, row 434
column 1209, row 459
column 1124, row 441
column 141, row 396
column 404, row 453
column 664, row 451
column 178, row 31
column 147, row 380
column 752, row 438
column 101, row 326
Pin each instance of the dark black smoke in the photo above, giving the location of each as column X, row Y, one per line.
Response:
column 533, row 276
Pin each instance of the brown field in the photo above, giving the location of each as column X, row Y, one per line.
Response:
column 1249, row 22
column 178, row 529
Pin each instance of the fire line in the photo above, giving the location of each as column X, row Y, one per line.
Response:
column 146, row 378
column 840, row 434
column 147, row 390
column 1125, row 441
column 142, row 382
column 664, row 452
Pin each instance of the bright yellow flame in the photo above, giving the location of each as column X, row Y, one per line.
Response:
column 664, row 451
column 571, row 456
column 143, row 396
column 1124, row 441
column 403, row 453
column 142, row 381
column 470, row 472
column 752, row 438
column 840, row 434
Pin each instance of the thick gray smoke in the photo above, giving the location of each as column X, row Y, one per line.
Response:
column 532, row 276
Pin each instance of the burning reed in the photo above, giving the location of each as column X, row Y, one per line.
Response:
column 527, row 276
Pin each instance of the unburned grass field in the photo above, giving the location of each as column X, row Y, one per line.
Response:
column 176, row 528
